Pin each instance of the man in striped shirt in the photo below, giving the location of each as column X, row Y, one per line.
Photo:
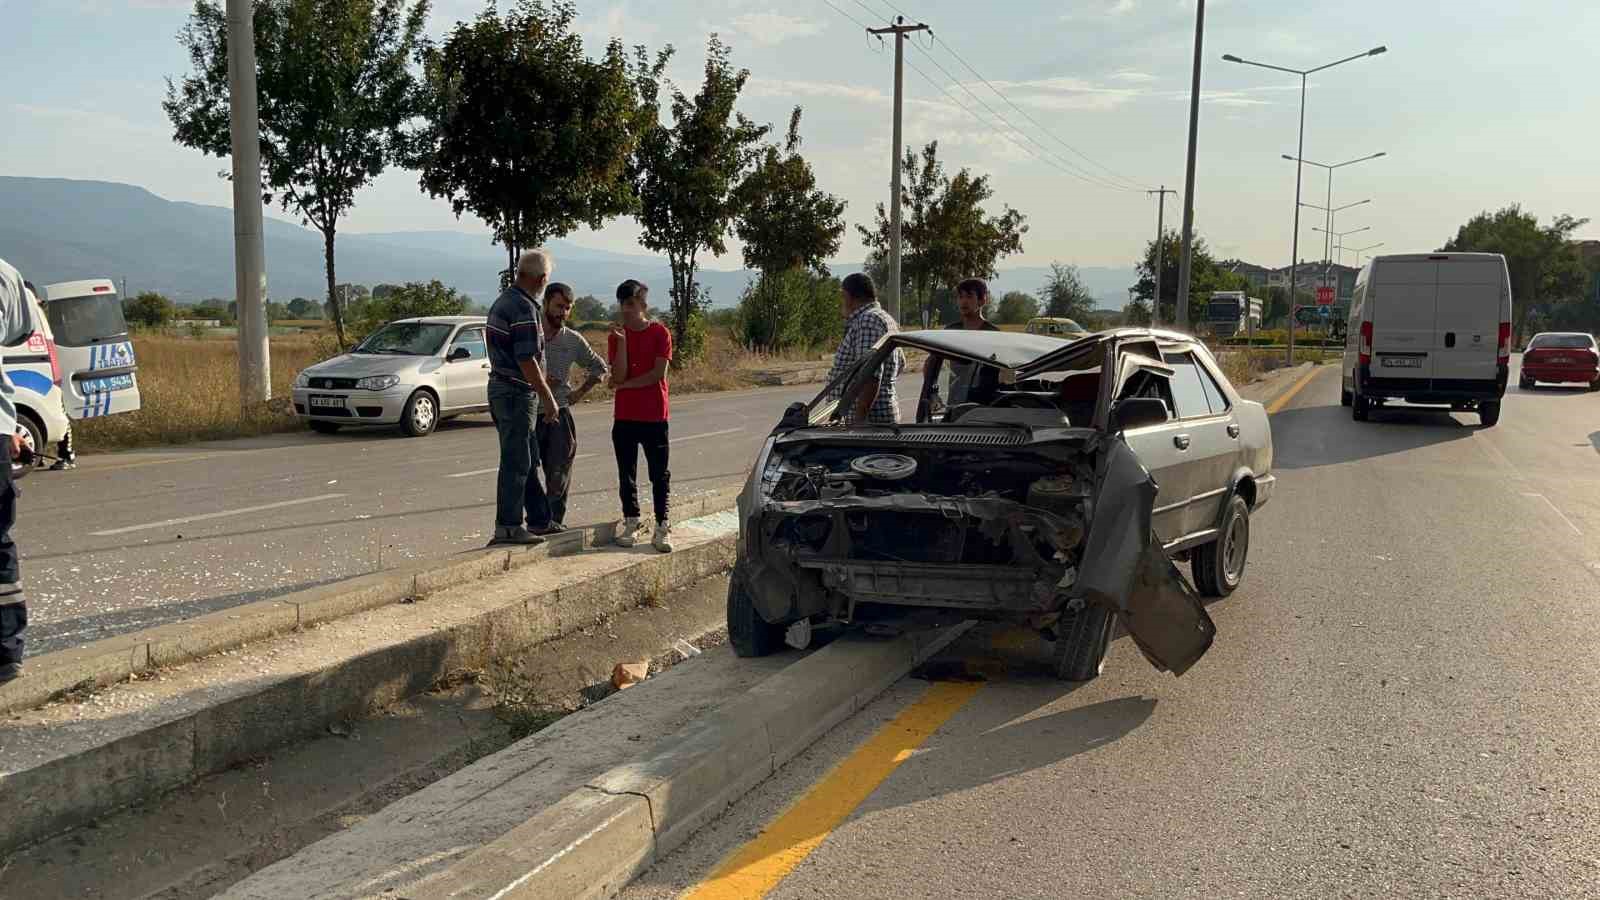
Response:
column 516, row 375
column 558, row 441
column 866, row 323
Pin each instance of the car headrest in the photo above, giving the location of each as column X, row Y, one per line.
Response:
column 1080, row 388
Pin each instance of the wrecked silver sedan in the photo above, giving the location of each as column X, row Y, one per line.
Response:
column 1048, row 484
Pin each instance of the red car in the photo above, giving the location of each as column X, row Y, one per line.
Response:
column 1561, row 357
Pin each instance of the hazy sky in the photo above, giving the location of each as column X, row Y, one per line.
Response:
column 1477, row 105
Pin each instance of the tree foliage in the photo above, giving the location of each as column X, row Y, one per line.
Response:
column 522, row 129
column 149, row 309
column 334, row 85
column 589, row 308
column 1205, row 277
column 301, row 308
column 1065, row 296
column 790, row 308
column 1016, row 308
column 411, row 300
column 1546, row 270
column 945, row 233
column 686, row 174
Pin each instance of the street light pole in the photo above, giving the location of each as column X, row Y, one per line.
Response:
column 1188, row 179
column 249, row 259
column 1294, row 256
column 899, row 29
column 1328, row 242
column 1360, row 250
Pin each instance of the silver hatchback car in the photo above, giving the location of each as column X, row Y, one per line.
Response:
column 412, row 373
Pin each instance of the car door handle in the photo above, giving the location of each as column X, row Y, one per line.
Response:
column 1181, row 441
column 1233, row 430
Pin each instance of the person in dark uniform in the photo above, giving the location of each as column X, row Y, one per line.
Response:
column 16, row 324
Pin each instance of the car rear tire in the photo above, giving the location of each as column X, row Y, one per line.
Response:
column 33, row 438
column 421, row 415
column 1219, row 566
column 1525, row 383
column 1594, row 385
column 1489, row 413
column 1082, row 638
column 325, row 427
column 1345, row 398
column 1360, row 408
column 749, row 634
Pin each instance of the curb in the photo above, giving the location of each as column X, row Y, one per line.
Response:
column 106, row 662
column 593, row 841
column 166, row 754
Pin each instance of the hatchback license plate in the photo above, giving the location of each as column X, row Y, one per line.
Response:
column 327, row 402
column 109, row 383
column 1402, row 363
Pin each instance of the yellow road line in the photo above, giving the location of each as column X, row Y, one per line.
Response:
column 1281, row 402
column 757, row 867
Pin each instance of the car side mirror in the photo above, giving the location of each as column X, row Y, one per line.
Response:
column 1138, row 412
column 459, row 354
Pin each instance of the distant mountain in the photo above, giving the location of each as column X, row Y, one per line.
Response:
column 58, row 229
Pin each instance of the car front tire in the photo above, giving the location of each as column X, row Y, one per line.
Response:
column 421, row 415
column 749, row 634
column 1082, row 638
column 1218, row 567
column 33, row 436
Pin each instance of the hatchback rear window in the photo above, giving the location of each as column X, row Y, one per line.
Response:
column 1562, row 342
column 87, row 320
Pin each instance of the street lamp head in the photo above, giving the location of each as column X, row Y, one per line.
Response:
column 1229, row 57
column 1288, row 157
column 1377, row 50
column 1380, row 153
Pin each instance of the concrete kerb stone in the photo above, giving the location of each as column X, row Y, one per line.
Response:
column 77, row 788
column 115, row 659
column 685, row 783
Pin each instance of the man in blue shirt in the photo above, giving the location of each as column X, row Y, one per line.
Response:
column 516, row 375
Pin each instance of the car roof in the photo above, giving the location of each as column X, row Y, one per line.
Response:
column 1426, row 257
column 444, row 320
column 1582, row 334
column 1015, row 349
column 64, row 289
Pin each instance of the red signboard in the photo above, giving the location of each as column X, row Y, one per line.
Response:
column 1324, row 296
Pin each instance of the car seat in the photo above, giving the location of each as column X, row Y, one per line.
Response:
column 1077, row 397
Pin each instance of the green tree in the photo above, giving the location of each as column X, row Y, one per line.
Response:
column 150, row 309
column 522, row 129
column 212, row 308
column 1205, row 277
column 411, row 300
column 334, row 86
column 276, row 312
column 945, row 234
column 1016, row 308
column 379, row 291
column 1065, row 296
column 685, row 174
column 588, row 308
column 788, row 309
column 1546, row 269
column 301, row 308
column 353, row 300
column 790, row 228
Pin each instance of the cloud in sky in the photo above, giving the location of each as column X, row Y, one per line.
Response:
column 770, row 28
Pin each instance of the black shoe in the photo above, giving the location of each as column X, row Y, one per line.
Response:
column 63, row 465
column 518, row 535
column 547, row 530
column 10, row 672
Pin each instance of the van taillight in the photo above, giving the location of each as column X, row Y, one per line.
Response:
column 55, row 363
column 1364, row 352
column 1505, row 341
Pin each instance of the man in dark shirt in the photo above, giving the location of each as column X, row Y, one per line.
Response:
column 972, row 295
column 516, row 375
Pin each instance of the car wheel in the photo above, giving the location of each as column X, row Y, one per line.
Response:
column 1219, row 566
column 33, row 439
column 1345, row 398
column 1081, row 641
column 1489, row 413
column 324, row 427
column 1594, row 385
column 749, row 634
column 421, row 415
column 1525, row 383
column 1360, row 408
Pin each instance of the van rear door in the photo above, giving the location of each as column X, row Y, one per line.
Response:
column 1402, row 300
column 97, row 364
column 1470, row 292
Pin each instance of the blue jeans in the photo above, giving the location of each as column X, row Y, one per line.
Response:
column 518, row 491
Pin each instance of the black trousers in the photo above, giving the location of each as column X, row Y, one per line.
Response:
column 558, row 445
column 13, row 608
column 627, row 439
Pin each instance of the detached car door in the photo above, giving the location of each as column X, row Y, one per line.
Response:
column 466, row 378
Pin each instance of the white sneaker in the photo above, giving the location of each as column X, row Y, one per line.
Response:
column 663, row 538
column 628, row 532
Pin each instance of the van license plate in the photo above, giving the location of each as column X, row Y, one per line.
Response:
column 326, row 402
column 1402, row 363
column 102, row 385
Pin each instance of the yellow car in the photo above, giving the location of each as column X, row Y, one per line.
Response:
column 1061, row 328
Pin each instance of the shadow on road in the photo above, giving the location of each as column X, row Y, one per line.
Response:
column 1326, row 435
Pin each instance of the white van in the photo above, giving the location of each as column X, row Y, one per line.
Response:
column 1430, row 328
column 97, row 363
column 35, row 371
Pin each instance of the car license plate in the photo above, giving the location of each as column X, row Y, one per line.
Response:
column 1559, row 361
column 326, row 402
column 103, row 385
column 1402, row 362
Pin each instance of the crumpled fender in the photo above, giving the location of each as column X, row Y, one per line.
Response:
column 1126, row 568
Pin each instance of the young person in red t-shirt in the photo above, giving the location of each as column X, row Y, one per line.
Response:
column 640, row 351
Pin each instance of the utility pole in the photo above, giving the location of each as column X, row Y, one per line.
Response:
column 1161, row 247
column 1188, row 181
column 899, row 29
column 249, row 259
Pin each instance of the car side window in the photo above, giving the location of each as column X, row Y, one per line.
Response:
column 1188, row 392
column 1215, row 398
column 472, row 340
column 1151, row 386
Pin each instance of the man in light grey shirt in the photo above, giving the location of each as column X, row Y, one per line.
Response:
column 558, row 440
column 16, row 324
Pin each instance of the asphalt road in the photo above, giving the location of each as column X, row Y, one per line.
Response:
column 1401, row 702
column 132, row 540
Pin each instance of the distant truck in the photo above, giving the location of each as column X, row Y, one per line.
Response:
column 1227, row 311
